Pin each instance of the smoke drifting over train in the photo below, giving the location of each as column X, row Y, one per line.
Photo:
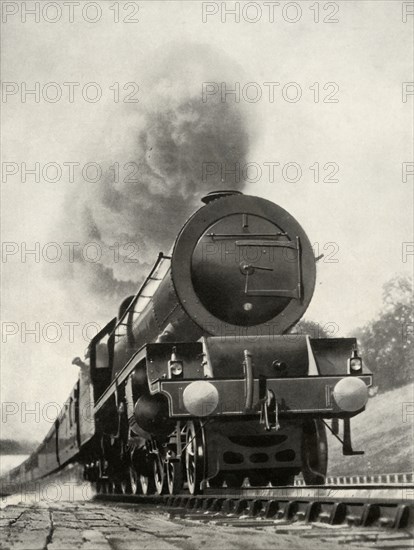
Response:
column 154, row 177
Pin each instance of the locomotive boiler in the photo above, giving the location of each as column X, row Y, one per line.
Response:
column 198, row 382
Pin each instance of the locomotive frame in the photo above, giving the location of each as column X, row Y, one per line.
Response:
column 197, row 381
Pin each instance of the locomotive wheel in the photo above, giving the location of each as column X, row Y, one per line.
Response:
column 314, row 452
column 159, row 475
column 134, row 481
column 106, row 487
column 194, row 457
column 126, row 485
column 126, row 488
column 147, row 484
column 175, row 477
column 116, row 487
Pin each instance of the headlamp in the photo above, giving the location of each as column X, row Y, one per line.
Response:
column 354, row 364
column 175, row 366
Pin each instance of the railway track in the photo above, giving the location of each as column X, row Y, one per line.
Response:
column 374, row 508
column 372, row 516
column 354, row 506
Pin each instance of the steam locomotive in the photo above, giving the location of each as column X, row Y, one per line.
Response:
column 198, row 381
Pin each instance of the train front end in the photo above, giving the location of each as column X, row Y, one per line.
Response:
column 243, row 270
column 202, row 365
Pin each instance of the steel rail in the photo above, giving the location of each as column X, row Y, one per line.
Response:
column 288, row 504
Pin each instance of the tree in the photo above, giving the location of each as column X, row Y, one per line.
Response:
column 387, row 341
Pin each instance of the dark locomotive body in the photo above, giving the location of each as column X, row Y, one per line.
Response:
column 198, row 380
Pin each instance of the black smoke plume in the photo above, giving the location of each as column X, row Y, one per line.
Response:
column 167, row 137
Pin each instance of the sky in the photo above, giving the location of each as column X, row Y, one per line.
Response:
column 326, row 132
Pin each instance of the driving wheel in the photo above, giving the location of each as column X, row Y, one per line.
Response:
column 159, row 474
column 194, row 457
column 175, row 477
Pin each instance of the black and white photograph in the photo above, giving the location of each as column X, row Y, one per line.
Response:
column 207, row 256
